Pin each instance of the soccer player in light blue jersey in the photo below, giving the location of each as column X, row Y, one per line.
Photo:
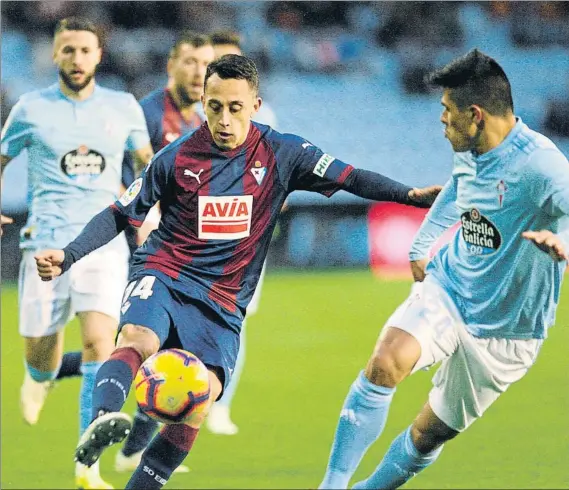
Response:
column 76, row 133
column 486, row 300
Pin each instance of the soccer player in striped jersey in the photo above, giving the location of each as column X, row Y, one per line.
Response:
column 221, row 189
column 170, row 112
column 488, row 297
column 76, row 133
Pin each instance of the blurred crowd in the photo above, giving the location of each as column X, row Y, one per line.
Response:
column 329, row 37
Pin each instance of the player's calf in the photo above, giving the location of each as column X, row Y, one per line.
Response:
column 169, row 448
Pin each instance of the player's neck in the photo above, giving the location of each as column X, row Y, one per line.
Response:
column 497, row 130
column 187, row 109
column 82, row 94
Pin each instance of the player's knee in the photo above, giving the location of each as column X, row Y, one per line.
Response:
column 393, row 358
column 140, row 338
column 98, row 346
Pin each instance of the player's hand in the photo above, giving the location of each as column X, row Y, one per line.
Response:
column 418, row 269
column 48, row 263
column 549, row 242
column 4, row 220
column 424, row 197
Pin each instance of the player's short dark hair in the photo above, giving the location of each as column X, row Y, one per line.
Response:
column 226, row 37
column 476, row 78
column 234, row 66
column 191, row 38
column 77, row 24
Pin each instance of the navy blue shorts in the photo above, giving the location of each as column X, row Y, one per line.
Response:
column 181, row 322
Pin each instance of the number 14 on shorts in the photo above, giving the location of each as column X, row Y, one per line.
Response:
column 141, row 288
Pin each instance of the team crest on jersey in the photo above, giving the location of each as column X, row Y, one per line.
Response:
column 131, row 192
column 501, row 188
column 83, row 164
column 259, row 172
column 479, row 233
column 224, row 217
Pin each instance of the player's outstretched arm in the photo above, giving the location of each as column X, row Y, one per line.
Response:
column 549, row 243
column 371, row 185
column 98, row 232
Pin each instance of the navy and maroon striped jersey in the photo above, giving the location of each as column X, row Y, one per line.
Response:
column 219, row 209
column 164, row 120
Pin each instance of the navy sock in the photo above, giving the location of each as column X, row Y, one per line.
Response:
column 70, row 365
column 114, row 379
column 143, row 428
column 164, row 454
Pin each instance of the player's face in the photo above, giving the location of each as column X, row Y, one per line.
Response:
column 223, row 49
column 187, row 71
column 459, row 126
column 229, row 106
column 76, row 54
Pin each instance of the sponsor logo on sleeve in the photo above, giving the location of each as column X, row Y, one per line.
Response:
column 479, row 233
column 131, row 192
column 323, row 164
column 224, row 217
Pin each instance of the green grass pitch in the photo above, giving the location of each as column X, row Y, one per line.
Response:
column 312, row 335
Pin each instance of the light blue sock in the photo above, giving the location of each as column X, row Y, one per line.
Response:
column 229, row 392
column 401, row 463
column 41, row 376
column 362, row 420
column 89, row 371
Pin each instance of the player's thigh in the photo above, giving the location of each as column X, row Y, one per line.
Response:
column 98, row 282
column 430, row 317
column 204, row 333
column 472, row 379
column 146, row 314
column 44, row 307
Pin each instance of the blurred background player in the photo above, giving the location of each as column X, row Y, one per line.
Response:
column 170, row 112
column 219, row 418
column 188, row 298
column 487, row 299
column 75, row 133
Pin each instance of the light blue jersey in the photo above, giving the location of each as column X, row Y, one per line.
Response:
column 502, row 284
column 75, row 153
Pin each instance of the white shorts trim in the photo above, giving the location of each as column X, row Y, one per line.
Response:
column 95, row 283
column 474, row 371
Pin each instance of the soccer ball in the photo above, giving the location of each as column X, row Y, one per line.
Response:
column 172, row 386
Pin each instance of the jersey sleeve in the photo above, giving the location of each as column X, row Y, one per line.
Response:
column 138, row 136
column 442, row 215
column 307, row 167
column 147, row 190
column 153, row 117
column 17, row 131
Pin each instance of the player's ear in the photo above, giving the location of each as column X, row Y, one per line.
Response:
column 99, row 54
column 257, row 105
column 476, row 114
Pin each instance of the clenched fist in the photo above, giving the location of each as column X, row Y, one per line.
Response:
column 48, row 263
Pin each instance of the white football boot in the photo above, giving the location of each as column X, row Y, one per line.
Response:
column 219, row 421
column 89, row 478
column 32, row 398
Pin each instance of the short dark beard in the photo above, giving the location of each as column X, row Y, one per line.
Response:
column 76, row 87
column 184, row 96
